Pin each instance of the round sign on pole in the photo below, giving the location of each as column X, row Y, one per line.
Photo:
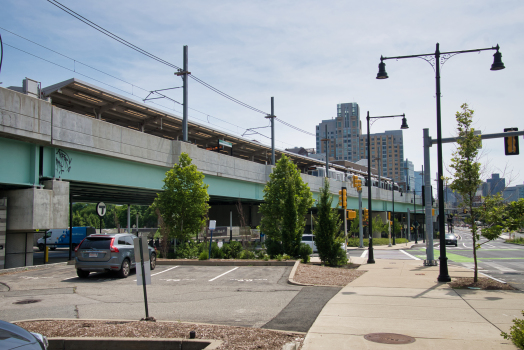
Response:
column 101, row 209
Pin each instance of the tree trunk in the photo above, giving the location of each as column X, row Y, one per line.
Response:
column 474, row 235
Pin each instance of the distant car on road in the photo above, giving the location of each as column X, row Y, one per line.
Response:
column 110, row 252
column 451, row 239
column 15, row 337
column 309, row 239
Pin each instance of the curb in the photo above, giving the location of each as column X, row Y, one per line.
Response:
column 32, row 267
column 224, row 262
column 132, row 343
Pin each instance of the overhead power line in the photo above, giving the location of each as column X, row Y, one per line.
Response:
column 158, row 59
column 119, row 89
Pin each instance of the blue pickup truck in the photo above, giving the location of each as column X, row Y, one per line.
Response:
column 59, row 237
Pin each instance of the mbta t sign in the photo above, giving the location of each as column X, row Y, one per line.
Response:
column 101, row 211
column 511, row 144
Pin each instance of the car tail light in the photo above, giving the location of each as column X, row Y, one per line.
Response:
column 79, row 244
column 112, row 248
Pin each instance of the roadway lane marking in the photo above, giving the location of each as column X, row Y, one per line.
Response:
column 158, row 273
column 411, row 256
column 364, row 254
column 500, row 267
column 465, row 245
column 225, row 273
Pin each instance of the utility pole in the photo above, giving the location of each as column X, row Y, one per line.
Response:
column 360, row 228
column 184, row 74
column 272, row 117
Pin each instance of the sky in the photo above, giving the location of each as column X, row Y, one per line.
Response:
column 309, row 55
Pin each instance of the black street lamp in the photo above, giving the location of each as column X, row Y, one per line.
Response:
column 393, row 210
column 404, row 125
column 436, row 60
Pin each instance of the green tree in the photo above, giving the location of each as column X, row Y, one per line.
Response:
column 328, row 233
column 286, row 202
column 466, row 178
column 183, row 204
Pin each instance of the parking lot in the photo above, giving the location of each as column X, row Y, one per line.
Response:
column 242, row 296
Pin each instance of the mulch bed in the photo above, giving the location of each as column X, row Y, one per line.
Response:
column 483, row 283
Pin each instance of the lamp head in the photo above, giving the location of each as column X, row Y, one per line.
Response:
column 404, row 124
column 497, row 60
column 382, row 70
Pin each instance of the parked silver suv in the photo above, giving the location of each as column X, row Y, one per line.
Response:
column 110, row 252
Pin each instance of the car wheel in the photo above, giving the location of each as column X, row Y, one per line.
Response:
column 41, row 247
column 124, row 269
column 152, row 261
column 82, row 273
column 456, row 244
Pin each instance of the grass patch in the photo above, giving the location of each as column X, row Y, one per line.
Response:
column 517, row 240
column 354, row 242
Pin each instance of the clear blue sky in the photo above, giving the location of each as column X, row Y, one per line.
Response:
column 309, row 55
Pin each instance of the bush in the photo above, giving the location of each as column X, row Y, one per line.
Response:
column 203, row 256
column 266, row 257
column 516, row 333
column 278, row 257
column 259, row 254
column 216, row 252
column 187, row 250
column 246, row 254
column 273, row 247
column 231, row 250
column 286, row 257
column 304, row 251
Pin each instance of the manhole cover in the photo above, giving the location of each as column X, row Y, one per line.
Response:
column 389, row 338
column 27, row 301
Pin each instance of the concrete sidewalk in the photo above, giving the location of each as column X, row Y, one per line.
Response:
column 404, row 297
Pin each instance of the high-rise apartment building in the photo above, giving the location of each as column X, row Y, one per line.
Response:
column 387, row 153
column 343, row 133
column 346, row 142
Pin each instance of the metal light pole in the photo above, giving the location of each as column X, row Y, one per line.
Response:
column 436, row 60
column 393, row 210
column 415, row 217
column 404, row 125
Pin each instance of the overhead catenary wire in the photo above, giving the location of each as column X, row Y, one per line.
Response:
column 124, row 91
column 156, row 58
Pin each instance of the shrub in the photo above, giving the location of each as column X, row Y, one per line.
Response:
column 278, row 257
column 216, row 252
column 187, row 250
column 516, row 333
column 304, row 251
column 266, row 257
column 203, row 256
column 232, row 250
column 286, row 257
column 273, row 247
column 246, row 254
column 259, row 254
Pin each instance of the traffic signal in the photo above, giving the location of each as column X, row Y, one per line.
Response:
column 342, row 198
column 359, row 185
column 389, row 215
column 365, row 215
column 354, row 180
column 351, row 214
column 432, row 212
column 511, row 144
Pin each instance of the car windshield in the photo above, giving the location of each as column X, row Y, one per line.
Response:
column 450, row 236
column 96, row 243
column 307, row 238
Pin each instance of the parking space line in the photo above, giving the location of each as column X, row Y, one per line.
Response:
column 411, row 256
column 158, row 273
column 69, row 278
column 225, row 273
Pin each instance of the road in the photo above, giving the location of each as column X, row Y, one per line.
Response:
column 497, row 259
column 241, row 296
